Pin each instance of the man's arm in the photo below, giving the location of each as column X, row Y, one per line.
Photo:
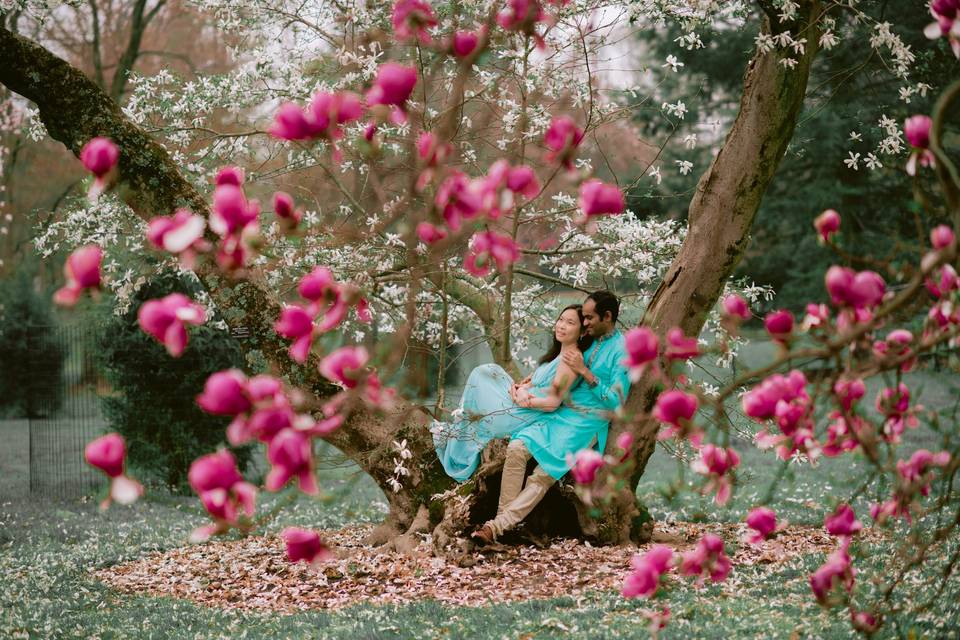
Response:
column 610, row 392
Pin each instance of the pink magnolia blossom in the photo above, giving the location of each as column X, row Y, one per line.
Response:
column 323, row 118
column 431, row 153
column 460, row 198
column 288, row 216
column 429, row 233
column 523, row 181
column 296, row 323
column 377, row 395
column 858, row 290
column 223, row 493
column 676, row 409
column 464, row 43
column 643, row 580
column 946, row 23
column 894, row 405
column 585, row 465
column 948, row 281
column 679, row 346
column 214, row 471
column 345, row 366
column 598, row 198
column 99, row 156
column 706, row 559
column 917, row 131
column 625, row 442
column 896, row 345
column 763, row 521
column 915, row 470
column 166, row 320
column 291, row 454
column 431, row 150
column 180, row 234
column 643, row 347
column 108, row 453
column 327, row 297
column 817, row 315
column 844, row 434
column 522, row 16
column 230, row 175
column 864, row 622
column 827, row 224
column 562, row 139
column 760, row 403
column 392, row 87
column 842, row 522
column 779, row 325
column 82, row 271
column 223, row 393
column 317, row 285
column 291, row 123
column 941, row 237
column 412, row 19
column 488, row 248
column 304, row 545
column 230, row 212
column 913, row 480
column 848, row 391
column 835, row 572
column 716, row 463
column 734, row 306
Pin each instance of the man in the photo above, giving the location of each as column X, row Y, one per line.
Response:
column 580, row 422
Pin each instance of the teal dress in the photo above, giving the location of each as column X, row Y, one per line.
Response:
column 487, row 412
column 583, row 419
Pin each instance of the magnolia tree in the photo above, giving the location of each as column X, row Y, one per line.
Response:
column 440, row 162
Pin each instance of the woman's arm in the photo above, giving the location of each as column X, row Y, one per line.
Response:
column 562, row 382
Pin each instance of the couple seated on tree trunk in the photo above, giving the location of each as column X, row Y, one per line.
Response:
column 562, row 407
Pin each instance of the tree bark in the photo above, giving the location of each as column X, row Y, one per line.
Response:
column 720, row 217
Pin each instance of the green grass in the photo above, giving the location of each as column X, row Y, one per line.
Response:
column 47, row 550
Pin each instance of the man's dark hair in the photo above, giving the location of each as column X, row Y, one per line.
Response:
column 605, row 301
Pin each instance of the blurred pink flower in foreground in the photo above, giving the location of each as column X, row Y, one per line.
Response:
column 304, row 545
column 827, row 224
column 99, row 156
column 644, row 579
column 82, row 270
column 707, row 559
column 763, row 521
column 108, row 453
column 223, row 493
column 166, row 319
column 585, row 465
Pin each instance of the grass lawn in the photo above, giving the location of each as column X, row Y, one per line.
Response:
column 48, row 548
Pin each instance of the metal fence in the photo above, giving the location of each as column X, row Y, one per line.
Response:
column 63, row 408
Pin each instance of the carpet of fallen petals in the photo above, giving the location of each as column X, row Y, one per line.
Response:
column 254, row 574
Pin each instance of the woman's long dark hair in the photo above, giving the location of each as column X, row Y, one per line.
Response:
column 583, row 343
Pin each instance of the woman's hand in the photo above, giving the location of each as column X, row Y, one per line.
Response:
column 521, row 397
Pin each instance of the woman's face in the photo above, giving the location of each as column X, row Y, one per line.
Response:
column 568, row 328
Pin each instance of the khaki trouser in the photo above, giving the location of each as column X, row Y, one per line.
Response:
column 517, row 500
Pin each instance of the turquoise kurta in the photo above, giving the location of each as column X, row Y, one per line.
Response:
column 584, row 417
column 488, row 413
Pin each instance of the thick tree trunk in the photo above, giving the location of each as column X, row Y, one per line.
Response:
column 720, row 217
column 74, row 110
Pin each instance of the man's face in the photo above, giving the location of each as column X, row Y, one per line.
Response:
column 595, row 325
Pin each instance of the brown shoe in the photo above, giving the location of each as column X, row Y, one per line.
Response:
column 483, row 535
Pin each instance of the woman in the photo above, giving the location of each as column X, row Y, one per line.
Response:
column 494, row 407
